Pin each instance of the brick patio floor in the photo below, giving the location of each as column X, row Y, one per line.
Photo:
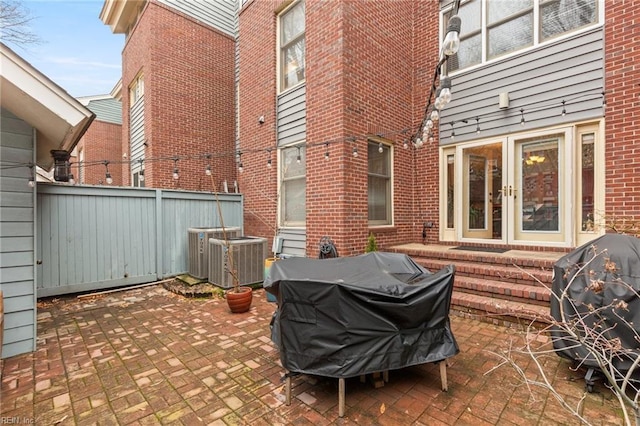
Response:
column 148, row 356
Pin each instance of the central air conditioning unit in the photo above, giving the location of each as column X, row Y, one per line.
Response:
column 198, row 241
column 248, row 254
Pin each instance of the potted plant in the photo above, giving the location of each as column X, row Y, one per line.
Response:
column 239, row 297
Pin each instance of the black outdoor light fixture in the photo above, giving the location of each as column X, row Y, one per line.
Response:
column 61, row 166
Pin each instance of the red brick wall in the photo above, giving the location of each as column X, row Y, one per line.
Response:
column 622, row 128
column 189, row 98
column 102, row 141
column 367, row 71
column 258, row 183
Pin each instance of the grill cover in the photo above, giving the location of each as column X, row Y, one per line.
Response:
column 348, row 316
column 612, row 260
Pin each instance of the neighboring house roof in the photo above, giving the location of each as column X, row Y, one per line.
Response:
column 105, row 107
column 59, row 119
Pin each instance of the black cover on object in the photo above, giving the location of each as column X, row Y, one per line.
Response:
column 349, row 316
column 624, row 252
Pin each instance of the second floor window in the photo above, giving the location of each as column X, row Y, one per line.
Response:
column 492, row 28
column 292, row 46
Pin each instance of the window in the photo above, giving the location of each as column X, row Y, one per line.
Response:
column 379, row 184
column 492, row 28
column 292, row 46
column 136, row 90
column 293, row 186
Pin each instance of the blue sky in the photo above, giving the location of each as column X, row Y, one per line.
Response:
column 78, row 52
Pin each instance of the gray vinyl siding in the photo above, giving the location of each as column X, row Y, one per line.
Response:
column 107, row 110
column 294, row 242
column 538, row 80
column 136, row 133
column 292, row 127
column 292, row 116
column 219, row 14
column 17, row 247
column 94, row 238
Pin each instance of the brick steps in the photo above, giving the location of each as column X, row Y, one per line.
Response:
column 532, row 294
column 501, row 288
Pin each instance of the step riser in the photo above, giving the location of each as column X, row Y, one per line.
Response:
column 511, row 274
column 504, row 290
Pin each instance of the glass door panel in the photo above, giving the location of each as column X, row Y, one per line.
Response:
column 482, row 194
column 537, row 190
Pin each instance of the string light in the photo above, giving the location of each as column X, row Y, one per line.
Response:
column 564, row 110
column 107, row 175
column 477, row 126
column 32, row 178
column 269, row 158
column 326, row 152
column 405, row 144
column 176, row 174
column 298, row 158
column 451, row 42
column 207, row 170
column 141, row 174
column 522, row 121
column 355, row 147
column 453, row 131
column 240, row 168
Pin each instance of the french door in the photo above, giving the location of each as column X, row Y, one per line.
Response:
column 516, row 190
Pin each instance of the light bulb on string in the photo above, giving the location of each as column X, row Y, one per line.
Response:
column 141, row 173
column 564, row 110
column 434, row 115
column 451, row 42
column 240, row 168
column 445, row 90
column 107, row 175
column 176, row 174
column 207, row 170
column 419, row 142
column 477, row 126
column 429, row 124
column 326, row 151
column 453, row 132
column 269, row 158
column 522, row 120
column 32, row 180
column 298, row 157
column 430, row 137
column 405, row 144
column 380, row 148
column 72, row 180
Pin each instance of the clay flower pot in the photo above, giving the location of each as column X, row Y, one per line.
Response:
column 240, row 300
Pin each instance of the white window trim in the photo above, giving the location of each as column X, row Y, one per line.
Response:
column 280, row 200
column 279, row 78
column 376, row 224
column 536, row 33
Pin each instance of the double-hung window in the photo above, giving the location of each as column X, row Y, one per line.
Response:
column 493, row 28
column 293, row 186
column 292, row 46
column 379, row 184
